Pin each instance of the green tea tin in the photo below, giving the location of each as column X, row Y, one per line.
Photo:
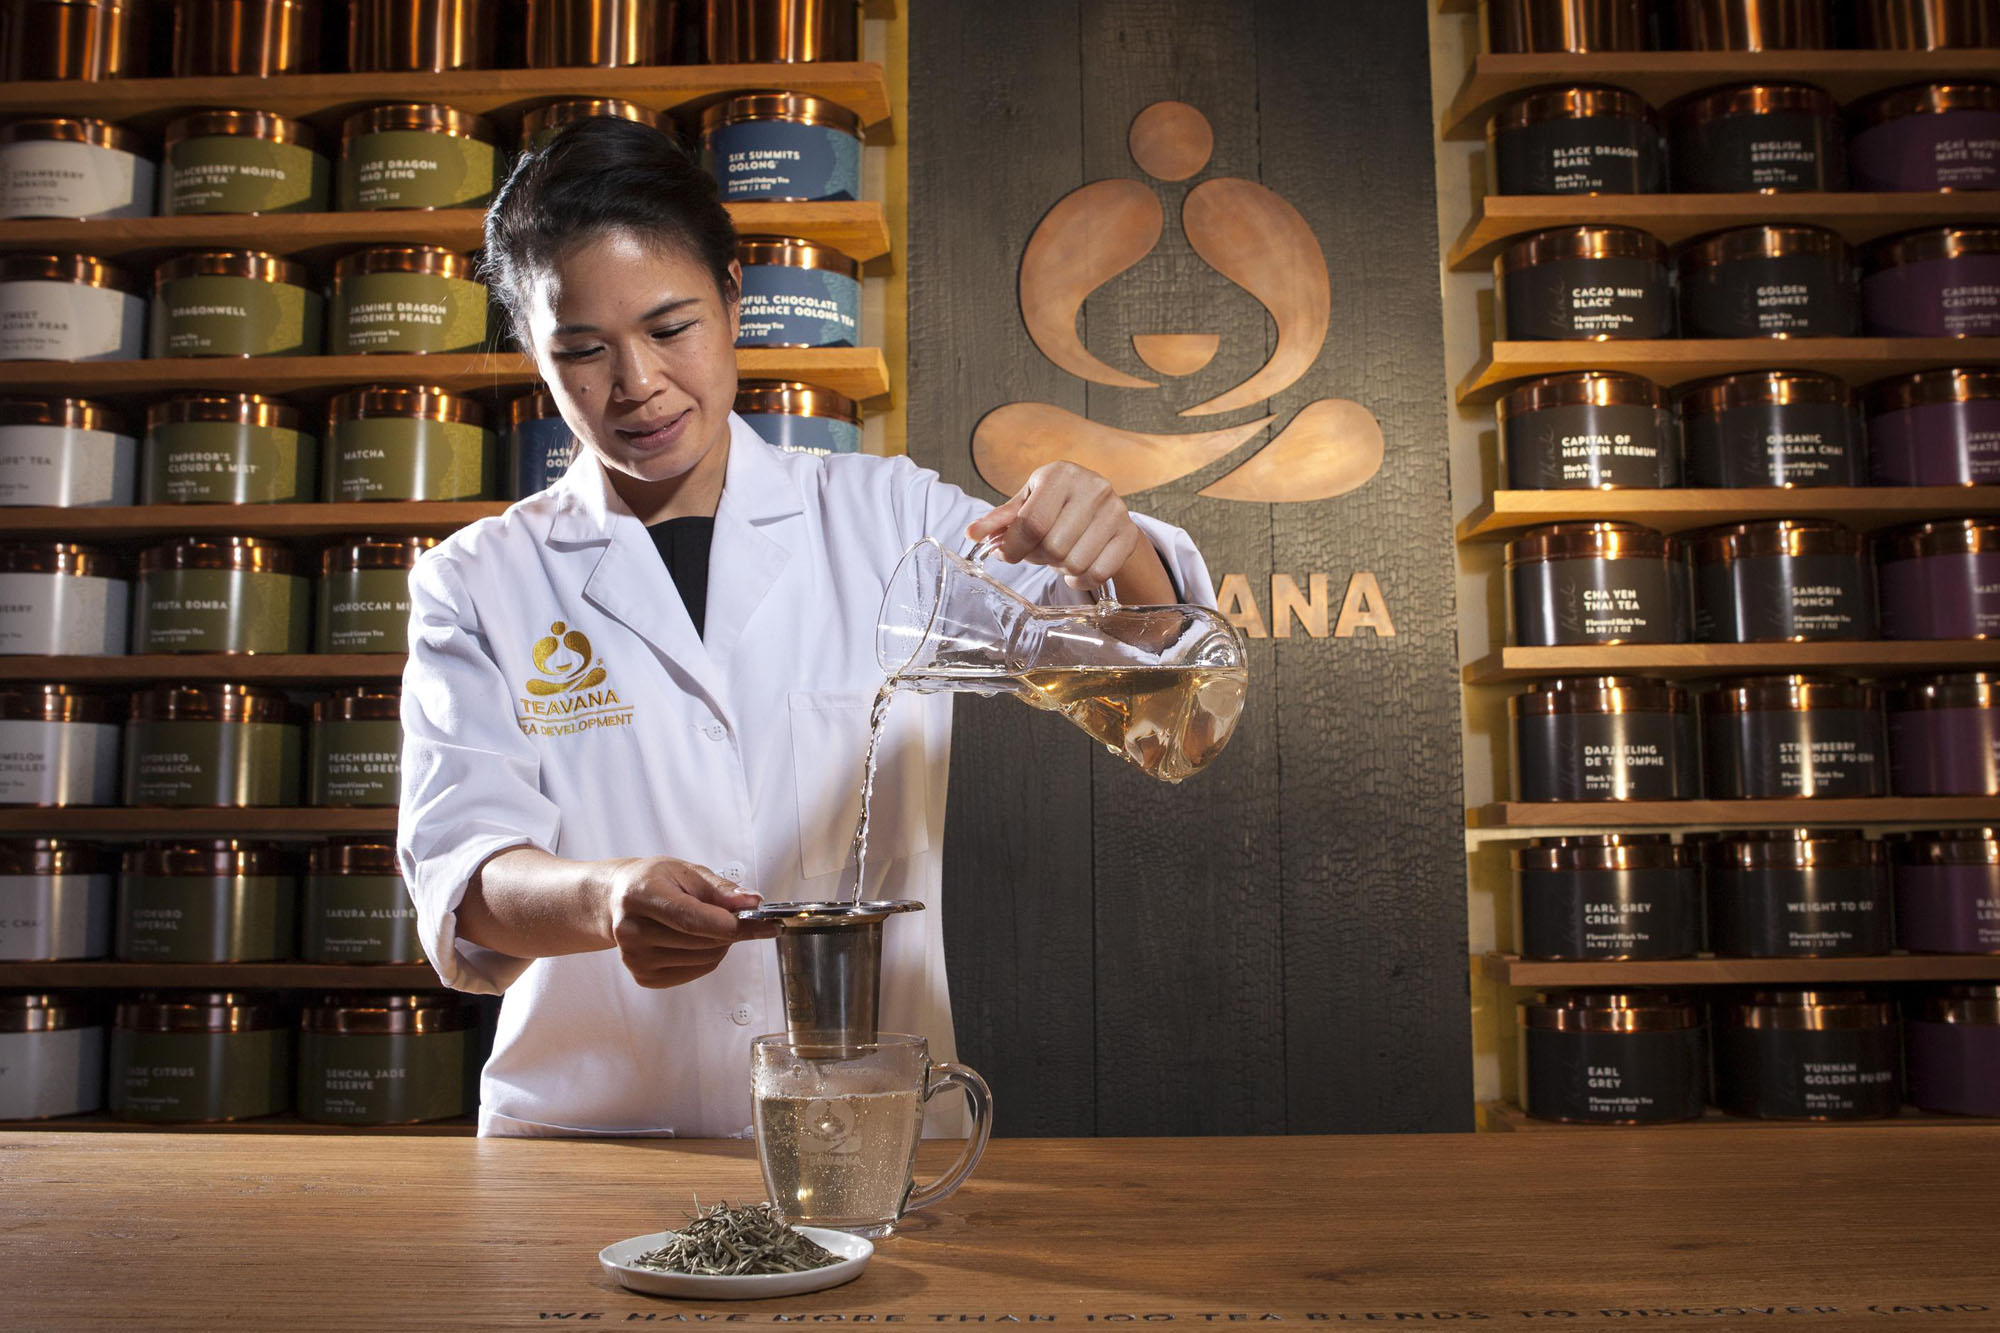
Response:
column 384, row 1059
column 364, row 594
column 227, row 448
column 209, row 901
column 410, row 443
column 199, row 1057
column 234, row 303
column 220, row 595
column 241, row 162
column 407, row 298
column 211, row 745
column 357, row 746
column 415, row 155
column 357, row 908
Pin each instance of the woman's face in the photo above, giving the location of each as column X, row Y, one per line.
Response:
column 638, row 348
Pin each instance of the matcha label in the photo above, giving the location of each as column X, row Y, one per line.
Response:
column 228, row 462
column 59, row 465
column 355, row 763
column 359, row 919
column 382, row 1079
column 409, row 312
column 416, row 169
column 227, row 173
column 199, row 1075
column 204, row 918
column 68, row 321
column 211, row 763
column 220, row 611
column 364, row 611
column 409, row 458
column 213, row 315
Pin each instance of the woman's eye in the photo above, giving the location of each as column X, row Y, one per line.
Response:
column 575, row 353
column 671, row 330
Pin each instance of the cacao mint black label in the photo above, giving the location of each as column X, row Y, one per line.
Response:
column 1785, row 912
column 1584, row 446
column 1799, row 296
column 1593, row 155
column 1779, row 150
column 1767, row 598
column 1794, row 444
column 1588, row 298
column 1599, row 914
column 1596, row 601
column 1604, row 757
column 1805, row 1073
column 1612, row 1077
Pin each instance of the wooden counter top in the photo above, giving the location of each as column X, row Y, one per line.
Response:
column 1811, row 1228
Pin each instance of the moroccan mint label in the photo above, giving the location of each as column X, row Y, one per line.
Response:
column 416, row 169
column 217, row 315
column 224, row 173
column 228, row 462
column 409, row 458
column 169, row 1076
column 355, row 762
column 211, row 763
column 359, row 919
column 408, row 312
column 204, row 918
column 381, row 1078
column 364, row 611
column 221, row 611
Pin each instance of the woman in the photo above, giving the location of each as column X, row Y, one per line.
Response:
column 636, row 702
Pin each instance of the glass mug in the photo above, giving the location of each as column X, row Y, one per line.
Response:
column 838, row 1124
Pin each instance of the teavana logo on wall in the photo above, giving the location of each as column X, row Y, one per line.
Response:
column 1249, row 235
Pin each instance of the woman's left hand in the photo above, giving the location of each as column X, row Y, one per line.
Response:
column 1069, row 517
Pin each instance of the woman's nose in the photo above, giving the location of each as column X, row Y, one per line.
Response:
column 634, row 377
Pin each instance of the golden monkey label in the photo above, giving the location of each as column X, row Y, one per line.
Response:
column 570, row 691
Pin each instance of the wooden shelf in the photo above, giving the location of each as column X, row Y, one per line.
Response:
column 1674, row 218
column 1509, row 970
column 858, row 372
column 463, row 1127
column 279, row 669
column 1681, row 660
column 339, row 518
column 1672, row 361
column 503, row 93
column 1505, row 1117
column 1662, row 76
column 1507, row 513
column 100, row 821
column 108, row 975
column 1781, row 813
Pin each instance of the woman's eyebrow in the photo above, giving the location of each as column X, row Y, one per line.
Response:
column 664, row 307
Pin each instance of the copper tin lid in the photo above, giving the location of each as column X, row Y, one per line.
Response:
column 421, row 401
column 1605, row 851
column 795, row 107
column 1789, row 694
column 1944, row 536
column 1963, row 689
column 355, row 553
column 1544, row 247
column 1946, row 847
column 406, row 259
column 1760, row 388
column 1922, row 99
column 536, row 405
column 1926, row 25
column 240, row 124
column 53, row 703
column 1752, row 25
column 73, row 129
column 1961, row 384
column 70, row 413
column 1915, row 247
column 384, row 1015
column 85, row 269
column 43, row 1011
column 1975, row 1004
column 1774, row 536
column 72, row 558
column 224, row 858
column 793, row 398
column 360, row 703
column 255, row 264
column 1784, row 241
column 241, row 409
column 1752, row 99
column 426, row 116
column 1577, row 388
column 1795, row 849
column 252, row 555
column 199, row 1011
column 1588, row 541
column 1577, row 102
column 209, row 703
column 1610, row 1011
column 1599, row 694
column 555, row 115
column 1810, row 1009
column 353, row 856
column 791, row 252
column 52, row 856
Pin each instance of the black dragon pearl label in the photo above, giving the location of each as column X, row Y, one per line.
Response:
column 216, row 315
column 1797, row 296
column 1779, row 150
column 199, row 1076
column 1607, row 914
column 1768, row 598
column 382, row 1079
column 221, row 611
column 1824, row 752
column 355, row 762
column 1592, row 155
column 226, row 173
column 211, row 763
column 1604, row 757
column 1587, row 298
column 1784, row 912
column 1612, row 1077
column 227, row 462
column 1807, row 1073
column 1585, row 446
column 359, row 919
column 1596, row 601
column 363, row 611
column 1793, row 444
column 416, row 169
column 205, row 918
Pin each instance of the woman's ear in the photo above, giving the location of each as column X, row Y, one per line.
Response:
column 732, row 299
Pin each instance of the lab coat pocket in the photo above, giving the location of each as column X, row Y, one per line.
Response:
column 829, row 746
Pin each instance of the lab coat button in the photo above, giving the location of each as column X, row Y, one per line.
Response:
column 715, row 731
column 734, row 872
column 740, row 1015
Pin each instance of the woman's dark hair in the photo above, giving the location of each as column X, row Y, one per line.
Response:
column 601, row 175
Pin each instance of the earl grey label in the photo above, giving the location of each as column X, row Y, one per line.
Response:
column 1593, row 155
column 1824, row 752
column 1781, row 150
column 238, row 174
column 211, row 763
column 356, row 763
column 1613, row 1077
column 1588, row 298
column 1796, row 296
column 1781, row 912
column 221, row 611
column 1595, row 601
column 1804, row 1073
column 416, row 169
column 226, row 462
column 1768, row 598
column 1604, row 914
column 204, row 919
column 199, row 1076
column 1604, row 757
column 1585, row 446
column 359, row 919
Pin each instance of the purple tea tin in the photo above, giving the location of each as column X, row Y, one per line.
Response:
column 1940, row 580
column 1781, row 579
column 1927, row 136
column 1935, row 428
column 1953, row 1050
column 1947, row 890
column 1785, row 736
column 1797, row 893
column 1941, row 282
column 1944, row 735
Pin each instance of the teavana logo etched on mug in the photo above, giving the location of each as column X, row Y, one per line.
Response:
column 567, row 697
column 1248, row 234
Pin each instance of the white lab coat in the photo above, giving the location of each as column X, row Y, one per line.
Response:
column 740, row 750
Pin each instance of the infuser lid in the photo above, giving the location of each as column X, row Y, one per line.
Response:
column 790, row 915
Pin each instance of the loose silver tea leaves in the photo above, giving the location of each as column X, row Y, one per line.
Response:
column 721, row 1241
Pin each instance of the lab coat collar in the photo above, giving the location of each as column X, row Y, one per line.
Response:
column 756, row 487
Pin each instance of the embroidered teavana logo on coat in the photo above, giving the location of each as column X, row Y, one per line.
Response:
column 569, row 692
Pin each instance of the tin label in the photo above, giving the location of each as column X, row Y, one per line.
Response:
column 68, row 321
column 416, row 169
column 409, row 458
column 61, row 465
column 228, row 462
column 408, row 312
column 228, row 173
column 1941, row 596
column 212, row 315
column 1954, row 1067
column 205, row 919
column 43, row 178
column 1778, row 150
column 211, row 763
column 58, row 763
column 1767, row 598
column 1593, row 155
column 355, row 763
column 1605, row 914
column 45, row 1074
column 1955, row 150
column 50, row 917
column 1936, row 444
column 1937, row 298
column 1775, row 912
column 363, row 611
column 1773, row 753
column 1797, row 296
column 1588, row 298
column 783, row 306
column 1634, row 600
column 1773, row 444
column 1612, row 1077
column 221, row 611
column 1944, row 752
column 360, row 919
column 538, row 453
column 1587, row 446
column 67, row 614
column 199, row 1075
column 782, row 159
column 1604, row 757
column 1809, row 1073
column 1948, row 909
column 382, row 1079
column 806, row 435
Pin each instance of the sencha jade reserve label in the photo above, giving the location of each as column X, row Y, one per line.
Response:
column 416, row 169
column 215, row 315
column 381, row 1079
column 211, row 763
column 222, row 173
column 204, row 918
column 221, row 611
column 409, row 458
column 355, row 763
column 199, row 1075
column 227, row 462
column 359, row 919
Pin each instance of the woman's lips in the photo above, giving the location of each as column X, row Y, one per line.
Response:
column 658, row 437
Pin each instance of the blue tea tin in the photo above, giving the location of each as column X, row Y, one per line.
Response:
column 800, row 417
column 539, row 445
column 797, row 294
column 782, row 146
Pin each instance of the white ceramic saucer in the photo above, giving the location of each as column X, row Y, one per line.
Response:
column 853, row 1251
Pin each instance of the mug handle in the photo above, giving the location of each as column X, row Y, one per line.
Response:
column 980, row 1099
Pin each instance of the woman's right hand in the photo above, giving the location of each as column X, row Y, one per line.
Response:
column 672, row 921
